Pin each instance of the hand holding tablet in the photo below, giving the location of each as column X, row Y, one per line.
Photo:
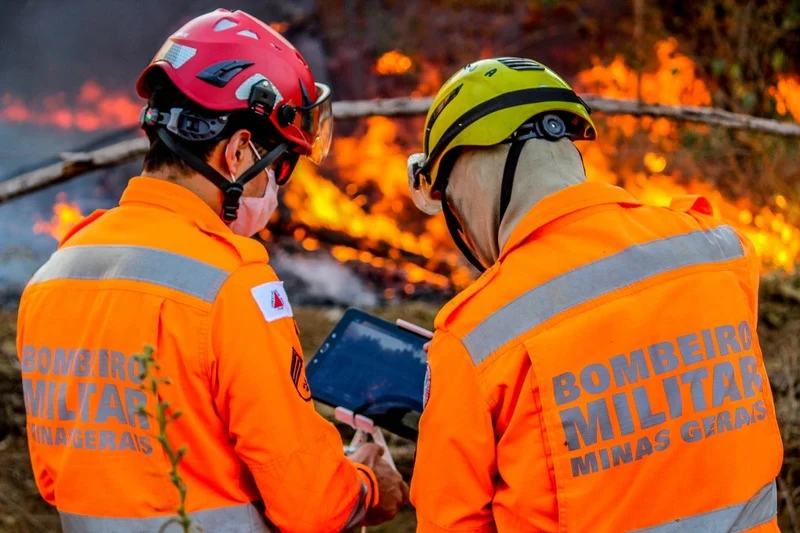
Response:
column 373, row 368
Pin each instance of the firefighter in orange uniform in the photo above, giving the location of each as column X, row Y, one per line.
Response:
column 603, row 374
column 231, row 107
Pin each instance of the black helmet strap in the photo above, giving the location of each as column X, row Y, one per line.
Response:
column 232, row 190
column 456, row 233
column 509, row 171
column 453, row 225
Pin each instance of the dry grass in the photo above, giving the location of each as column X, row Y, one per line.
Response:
column 23, row 511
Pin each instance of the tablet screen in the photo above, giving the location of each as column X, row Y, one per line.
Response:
column 369, row 365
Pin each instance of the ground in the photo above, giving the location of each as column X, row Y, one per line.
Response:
column 23, row 511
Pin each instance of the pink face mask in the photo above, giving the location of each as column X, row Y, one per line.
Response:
column 255, row 212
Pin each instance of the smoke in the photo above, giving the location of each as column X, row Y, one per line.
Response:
column 320, row 281
column 21, row 146
column 50, row 47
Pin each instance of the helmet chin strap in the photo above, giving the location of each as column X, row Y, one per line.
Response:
column 456, row 231
column 232, row 190
column 454, row 226
column 509, row 171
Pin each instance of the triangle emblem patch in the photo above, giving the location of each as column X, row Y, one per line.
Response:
column 277, row 301
column 272, row 300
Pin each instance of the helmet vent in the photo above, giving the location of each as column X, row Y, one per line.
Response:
column 519, row 63
column 248, row 33
column 224, row 24
column 220, row 74
column 175, row 54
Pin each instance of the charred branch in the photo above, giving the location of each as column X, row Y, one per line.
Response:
column 73, row 165
column 333, row 237
column 395, row 107
column 285, row 230
column 386, row 267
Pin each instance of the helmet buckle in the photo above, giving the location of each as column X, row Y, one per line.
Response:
column 262, row 98
column 230, row 205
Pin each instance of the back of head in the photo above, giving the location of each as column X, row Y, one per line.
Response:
column 505, row 103
column 544, row 168
column 223, row 72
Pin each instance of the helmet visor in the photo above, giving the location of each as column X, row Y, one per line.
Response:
column 316, row 122
column 424, row 197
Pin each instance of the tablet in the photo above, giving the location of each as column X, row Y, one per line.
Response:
column 374, row 368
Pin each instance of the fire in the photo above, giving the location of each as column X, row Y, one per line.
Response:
column 787, row 96
column 66, row 216
column 280, row 27
column 393, row 62
column 675, row 82
column 94, row 108
column 363, row 192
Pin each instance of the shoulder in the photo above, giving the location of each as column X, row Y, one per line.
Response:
column 708, row 219
column 453, row 311
column 253, row 296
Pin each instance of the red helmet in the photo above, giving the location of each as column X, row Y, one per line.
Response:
column 217, row 58
column 228, row 61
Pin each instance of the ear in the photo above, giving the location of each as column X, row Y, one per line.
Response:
column 235, row 151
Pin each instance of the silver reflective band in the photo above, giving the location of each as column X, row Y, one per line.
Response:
column 359, row 509
column 758, row 510
column 136, row 263
column 245, row 518
column 590, row 281
column 175, row 54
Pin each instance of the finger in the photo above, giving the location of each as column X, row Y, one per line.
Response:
column 426, row 346
column 371, row 449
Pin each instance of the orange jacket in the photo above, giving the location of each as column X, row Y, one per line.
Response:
column 604, row 375
column 163, row 269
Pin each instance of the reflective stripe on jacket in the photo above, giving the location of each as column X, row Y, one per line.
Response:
column 163, row 269
column 604, row 375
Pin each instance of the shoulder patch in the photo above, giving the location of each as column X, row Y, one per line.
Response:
column 272, row 300
column 298, row 373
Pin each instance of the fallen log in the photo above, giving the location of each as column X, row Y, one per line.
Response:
column 285, row 229
column 72, row 165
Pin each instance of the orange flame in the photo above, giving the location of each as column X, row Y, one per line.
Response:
column 674, row 82
column 66, row 216
column 94, row 108
column 372, row 202
column 787, row 96
column 279, row 27
column 393, row 62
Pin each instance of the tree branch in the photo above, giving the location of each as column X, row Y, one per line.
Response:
column 73, row 164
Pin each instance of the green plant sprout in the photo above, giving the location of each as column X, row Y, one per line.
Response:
column 150, row 382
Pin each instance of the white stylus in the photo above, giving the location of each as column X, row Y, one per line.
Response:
column 422, row 332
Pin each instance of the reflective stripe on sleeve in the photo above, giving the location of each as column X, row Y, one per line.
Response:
column 235, row 519
column 359, row 509
column 134, row 263
column 758, row 510
column 592, row 280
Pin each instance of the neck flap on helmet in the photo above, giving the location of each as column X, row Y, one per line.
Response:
column 550, row 127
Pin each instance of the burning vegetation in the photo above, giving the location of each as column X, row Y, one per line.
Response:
column 357, row 206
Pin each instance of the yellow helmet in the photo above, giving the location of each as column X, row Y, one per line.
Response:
column 488, row 102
